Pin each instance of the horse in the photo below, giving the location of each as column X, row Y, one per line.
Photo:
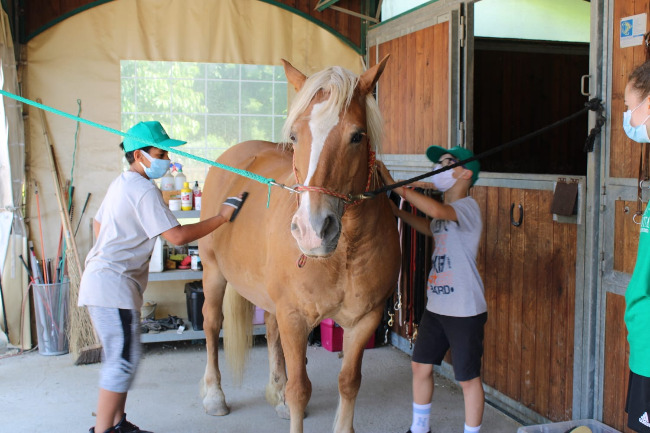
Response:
column 322, row 252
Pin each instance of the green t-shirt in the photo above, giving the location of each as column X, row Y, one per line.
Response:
column 637, row 304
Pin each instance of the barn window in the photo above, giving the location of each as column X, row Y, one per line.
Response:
column 210, row 105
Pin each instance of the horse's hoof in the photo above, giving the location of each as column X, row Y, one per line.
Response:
column 283, row 411
column 216, row 409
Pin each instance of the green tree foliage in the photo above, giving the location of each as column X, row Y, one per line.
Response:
column 211, row 106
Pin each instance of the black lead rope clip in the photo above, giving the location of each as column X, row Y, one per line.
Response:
column 596, row 105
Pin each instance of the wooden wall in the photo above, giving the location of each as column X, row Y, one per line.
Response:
column 617, row 354
column 529, row 277
column 624, row 154
column 413, row 91
column 39, row 13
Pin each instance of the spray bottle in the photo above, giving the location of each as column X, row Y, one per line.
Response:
column 179, row 179
column 167, row 181
column 196, row 196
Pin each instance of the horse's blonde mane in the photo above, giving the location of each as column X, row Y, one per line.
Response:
column 339, row 83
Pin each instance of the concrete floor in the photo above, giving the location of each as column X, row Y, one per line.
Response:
column 49, row 393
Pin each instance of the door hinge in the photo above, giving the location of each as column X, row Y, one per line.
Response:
column 461, row 133
column 602, row 263
column 461, row 31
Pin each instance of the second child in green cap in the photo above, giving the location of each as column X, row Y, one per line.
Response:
column 456, row 310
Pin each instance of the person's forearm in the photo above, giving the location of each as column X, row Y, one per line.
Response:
column 181, row 235
column 419, row 223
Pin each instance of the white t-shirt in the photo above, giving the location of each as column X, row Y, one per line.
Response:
column 455, row 287
column 132, row 215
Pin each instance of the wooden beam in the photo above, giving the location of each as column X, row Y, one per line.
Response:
column 324, row 4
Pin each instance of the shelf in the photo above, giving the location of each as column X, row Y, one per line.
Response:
column 175, row 274
column 188, row 334
column 187, row 213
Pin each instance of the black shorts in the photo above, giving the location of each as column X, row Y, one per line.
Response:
column 437, row 333
column 637, row 405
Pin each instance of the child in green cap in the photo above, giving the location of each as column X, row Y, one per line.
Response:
column 456, row 309
column 130, row 218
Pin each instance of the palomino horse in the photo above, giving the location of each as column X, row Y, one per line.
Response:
column 308, row 256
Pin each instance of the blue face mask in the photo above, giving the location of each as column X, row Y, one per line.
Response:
column 636, row 133
column 158, row 166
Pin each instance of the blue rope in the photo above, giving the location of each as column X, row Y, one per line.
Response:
column 238, row 171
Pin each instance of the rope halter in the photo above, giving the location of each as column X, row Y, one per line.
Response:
column 349, row 199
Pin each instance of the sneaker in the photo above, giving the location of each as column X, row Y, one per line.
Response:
column 410, row 431
column 92, row 430
column 126, row 427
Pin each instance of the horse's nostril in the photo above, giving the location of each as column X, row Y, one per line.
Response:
column 294, row 227
column 330, row 228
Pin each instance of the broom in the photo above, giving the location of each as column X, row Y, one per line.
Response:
column 83, row 340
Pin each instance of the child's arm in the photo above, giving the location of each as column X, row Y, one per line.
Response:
column 181, row 235
column 421, row 224
column 428, row 205
column 96, row 226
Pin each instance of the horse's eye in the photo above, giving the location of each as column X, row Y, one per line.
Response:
column 292, row 137
column 357, row 137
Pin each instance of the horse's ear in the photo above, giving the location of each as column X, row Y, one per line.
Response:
column 294, row 76
column 368, row 79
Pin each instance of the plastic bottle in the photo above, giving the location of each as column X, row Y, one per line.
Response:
column 186, row 197
column 167, row 182
column 196, row 194
column 180, row 179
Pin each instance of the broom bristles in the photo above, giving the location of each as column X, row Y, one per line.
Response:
column 83, row 341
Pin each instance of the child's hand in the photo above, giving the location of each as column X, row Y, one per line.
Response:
column 230, row 208
column 384, row 173
column 387, row 178
column 226, row 211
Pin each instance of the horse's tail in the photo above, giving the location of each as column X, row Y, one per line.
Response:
column 237, row 331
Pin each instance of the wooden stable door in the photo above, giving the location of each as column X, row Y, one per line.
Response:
column 529, row 273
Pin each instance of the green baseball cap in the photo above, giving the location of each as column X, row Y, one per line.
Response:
column 460, row 153
column 148, row 134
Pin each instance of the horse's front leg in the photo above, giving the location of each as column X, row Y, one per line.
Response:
column 214, row 287
column 354, row 341
column 275, row 389
column 294, row 331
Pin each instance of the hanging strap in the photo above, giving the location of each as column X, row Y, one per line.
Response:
column 644, row 175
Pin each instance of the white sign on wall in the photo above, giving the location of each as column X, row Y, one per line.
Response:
column 632, row 30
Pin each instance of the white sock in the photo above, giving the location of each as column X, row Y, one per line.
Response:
column 421, row 413
column 469, row 429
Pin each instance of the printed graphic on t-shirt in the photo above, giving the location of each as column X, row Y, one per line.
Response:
column 645, row 223
column 441, row 281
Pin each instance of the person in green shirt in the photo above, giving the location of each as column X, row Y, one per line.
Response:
column 637, row 296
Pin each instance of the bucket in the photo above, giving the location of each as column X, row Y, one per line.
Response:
column 51, row 305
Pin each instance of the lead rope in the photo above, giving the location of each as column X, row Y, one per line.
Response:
column 643, row 177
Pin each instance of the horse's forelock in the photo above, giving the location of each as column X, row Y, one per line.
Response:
column 340, row 84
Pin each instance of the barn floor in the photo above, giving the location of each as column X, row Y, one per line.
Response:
column 49, row 393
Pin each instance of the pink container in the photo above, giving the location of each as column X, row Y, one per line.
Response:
column 331, row 336
column 258, row 316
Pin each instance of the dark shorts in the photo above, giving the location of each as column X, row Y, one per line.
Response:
column 437, row 333
column 637, row 405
